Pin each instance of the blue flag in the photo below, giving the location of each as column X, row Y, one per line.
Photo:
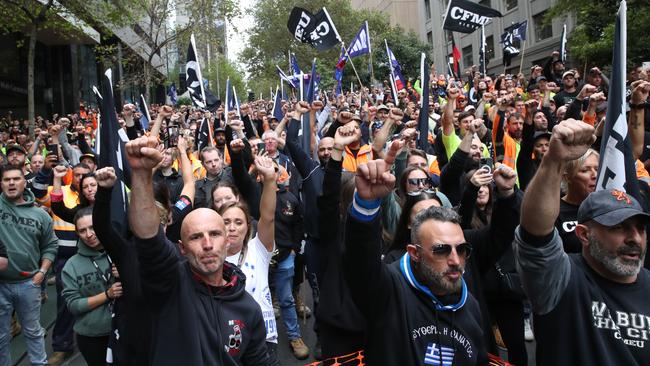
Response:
column 311, row 90
column 173, row 95
column 400, row 82
column 338, row 71
column 295, row 69
column 293, row 81
column 144, row 110
column 360, row 44
column 277, row 106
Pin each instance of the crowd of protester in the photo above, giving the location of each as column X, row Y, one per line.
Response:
column 456, row 254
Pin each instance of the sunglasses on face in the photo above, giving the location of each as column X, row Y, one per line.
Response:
column 419, row 181
column 464, row 250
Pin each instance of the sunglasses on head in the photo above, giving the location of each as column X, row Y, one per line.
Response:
column 419, row 181
column 464, row 250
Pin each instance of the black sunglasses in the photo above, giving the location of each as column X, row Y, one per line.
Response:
column 418, row 181
column 464, row 250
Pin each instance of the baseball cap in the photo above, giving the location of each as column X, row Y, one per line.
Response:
column 540, row 78
column 566, row 73
column 609, row 207
column 219, row 129
column 91, row 156
column 382, row 106
column 13, row 147
column 594, row 71
column 541, row 134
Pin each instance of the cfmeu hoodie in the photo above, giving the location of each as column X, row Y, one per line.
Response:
column 407, row 324
column 26, row 231
column 81, row 280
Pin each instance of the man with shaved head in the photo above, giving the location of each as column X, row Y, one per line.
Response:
column 202, row 314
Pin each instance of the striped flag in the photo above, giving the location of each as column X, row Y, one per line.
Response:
column 616, row 169
column 423, row 121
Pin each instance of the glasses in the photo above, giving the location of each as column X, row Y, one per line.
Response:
column 419, row 181
column 464, row 250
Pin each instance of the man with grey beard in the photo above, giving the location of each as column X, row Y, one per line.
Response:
column 418, row 309
column 591, row 308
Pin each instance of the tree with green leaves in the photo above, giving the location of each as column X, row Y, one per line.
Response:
column 31, row 17
column 592, row 40
column 270, row 42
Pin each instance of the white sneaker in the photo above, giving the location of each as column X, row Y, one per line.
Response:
column 528, row 331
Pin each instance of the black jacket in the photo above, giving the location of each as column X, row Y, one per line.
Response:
column 203, row 195
column 404, row 325
column 173, row 181
column 194, row 323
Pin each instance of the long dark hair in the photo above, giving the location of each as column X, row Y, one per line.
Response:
column 403, row 232
column 481, row 218
column 83, row 201
column 401, row 189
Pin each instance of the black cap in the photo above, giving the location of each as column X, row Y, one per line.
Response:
column 540, row 78
column 14, row 147
column 609, row 207
column 220, row 129
column 541, row 134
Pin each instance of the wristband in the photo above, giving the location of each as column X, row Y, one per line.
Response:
column 338, row 149
column 641, row 105
column 42, row 271
column 106, row 293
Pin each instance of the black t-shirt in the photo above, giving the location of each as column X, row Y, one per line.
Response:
column 180, row 209
column 565, row 98
column 566, row 224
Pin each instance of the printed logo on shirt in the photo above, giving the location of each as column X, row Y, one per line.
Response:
column 234, row 339
column 569, row 226
column 439, row 355
column 630, row 328
column 463, row 343
column 182, row 203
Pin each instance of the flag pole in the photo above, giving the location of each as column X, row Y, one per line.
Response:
column 372, row 69
column 341, row 40
column 352, row 63
column 392, row 77
column 198, row 71
column 523, row 50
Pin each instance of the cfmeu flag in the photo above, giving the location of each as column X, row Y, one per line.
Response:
column 112, row 139
column 465, row 16
column 616, row 168
column 318, row 30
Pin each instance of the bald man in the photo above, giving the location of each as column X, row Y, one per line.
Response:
column 202, row 314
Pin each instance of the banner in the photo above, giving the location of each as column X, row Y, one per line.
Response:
column 563, row 43
column 616, row 167
column 318, row 30
column 465, row 16
column 201, row 96
column 423, row 120
column 400, row 82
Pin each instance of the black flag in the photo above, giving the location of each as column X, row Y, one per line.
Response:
column 509, row 50
column 616, row 168
column 316, row 29
column 482, row 55
column 111, row 143
column 201, row 96
column 465, row 16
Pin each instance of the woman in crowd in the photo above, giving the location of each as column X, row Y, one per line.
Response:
column 578, row 180
column 87, row 185
column 89, row 286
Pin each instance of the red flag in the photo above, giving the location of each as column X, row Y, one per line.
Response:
column 455, row 53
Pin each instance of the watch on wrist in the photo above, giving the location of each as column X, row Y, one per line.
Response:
column 41, row 271
column 641, row 105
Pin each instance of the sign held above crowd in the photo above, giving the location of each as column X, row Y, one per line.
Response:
column 465, row 16
column 318, row 30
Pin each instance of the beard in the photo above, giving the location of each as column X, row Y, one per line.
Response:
column 437, row 282
column 202, row 268
column 613, row 262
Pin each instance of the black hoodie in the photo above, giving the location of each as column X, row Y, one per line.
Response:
column 194, row 323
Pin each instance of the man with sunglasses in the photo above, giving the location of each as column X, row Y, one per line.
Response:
column 590, row 308
column 418, row 309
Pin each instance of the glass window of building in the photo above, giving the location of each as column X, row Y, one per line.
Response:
column 510, row 4
column 542, row 30
column 468, row 56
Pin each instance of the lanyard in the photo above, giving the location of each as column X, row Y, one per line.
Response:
column 110, row 262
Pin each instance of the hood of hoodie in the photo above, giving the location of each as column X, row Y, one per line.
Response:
column 235, row 283
column 86, row 251
column 28, row 196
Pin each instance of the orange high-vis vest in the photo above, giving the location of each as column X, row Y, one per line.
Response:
column 350, row 163
column 64, row 230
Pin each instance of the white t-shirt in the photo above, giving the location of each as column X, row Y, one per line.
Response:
column 256, row 268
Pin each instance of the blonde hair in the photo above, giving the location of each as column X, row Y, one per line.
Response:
column 572, row 167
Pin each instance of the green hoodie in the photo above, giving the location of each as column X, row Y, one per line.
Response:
column 81, row 280
column 27, row 233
